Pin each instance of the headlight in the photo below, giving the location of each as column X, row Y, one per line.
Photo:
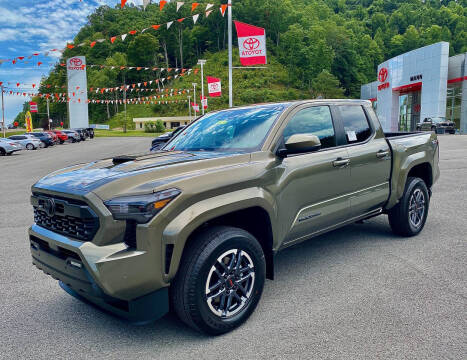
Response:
column 140, row 208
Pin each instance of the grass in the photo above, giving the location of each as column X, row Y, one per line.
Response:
column 120, row 133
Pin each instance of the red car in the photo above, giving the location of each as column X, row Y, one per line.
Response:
column 62, row 137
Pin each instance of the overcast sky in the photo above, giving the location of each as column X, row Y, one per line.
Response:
column 33, row 26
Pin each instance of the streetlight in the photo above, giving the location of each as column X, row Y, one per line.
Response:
column 202, row 62
column 194, row 96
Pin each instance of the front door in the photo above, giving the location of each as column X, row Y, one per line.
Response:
column 313, row 192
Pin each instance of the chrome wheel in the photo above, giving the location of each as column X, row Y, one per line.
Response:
column 230, row 283
column 416, row 208
column 30, row 146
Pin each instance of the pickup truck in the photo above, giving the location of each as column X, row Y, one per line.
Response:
column 195, row 226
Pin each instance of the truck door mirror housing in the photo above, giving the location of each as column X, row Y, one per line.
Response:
column 300, row 143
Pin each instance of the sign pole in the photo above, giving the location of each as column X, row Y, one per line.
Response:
column 189, row 107
column 229, row 21
column 3, row 113
column 202, row 62
column 194, row 96
column 48, row 113
column 124, row 101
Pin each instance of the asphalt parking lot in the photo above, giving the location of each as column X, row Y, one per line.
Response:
column 356, row 293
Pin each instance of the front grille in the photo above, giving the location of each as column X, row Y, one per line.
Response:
column 70, row 218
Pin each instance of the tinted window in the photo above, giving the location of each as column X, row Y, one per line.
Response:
column 355, row 123
column 314, row 120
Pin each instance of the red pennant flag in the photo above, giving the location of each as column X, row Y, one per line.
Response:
column 138, row 68
column 36, row 54
column 17, row 84
column 112, row 39
column 21, row 57
column 48, row 86
column 223, row 8
column 155, row 27
column 194, row 6
column 132, row 32
column 122, row 67
column 123, row 3
column 33, row 86
column 180, row 20
column 145, row 83
column 251, row 44
column 93, row 43
column 162, row 4
column 70, row 46
column 14, row 61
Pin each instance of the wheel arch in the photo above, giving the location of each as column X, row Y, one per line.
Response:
column 251, row 210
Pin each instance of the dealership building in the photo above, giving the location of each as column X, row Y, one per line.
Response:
column 422, row 83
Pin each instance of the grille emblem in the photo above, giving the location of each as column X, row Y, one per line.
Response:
column 49, row 207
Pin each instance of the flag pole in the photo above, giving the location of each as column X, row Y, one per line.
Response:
column 3, row 113
column 229, row 17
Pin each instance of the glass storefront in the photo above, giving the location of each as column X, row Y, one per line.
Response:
column 453, row 103
column 409, row 110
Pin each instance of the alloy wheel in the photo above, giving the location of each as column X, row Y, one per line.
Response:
column 230, row 283
column 416, row 208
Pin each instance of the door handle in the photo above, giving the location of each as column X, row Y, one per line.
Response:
column 382, row 154
column 340, row 162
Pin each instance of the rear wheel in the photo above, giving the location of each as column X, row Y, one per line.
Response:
column 30, row 146
column 2, row 152
column 408, row 217
column 220, row 280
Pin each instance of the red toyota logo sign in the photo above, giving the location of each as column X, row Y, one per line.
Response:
column 383, row 74
column 251, row 44
column 75, row 62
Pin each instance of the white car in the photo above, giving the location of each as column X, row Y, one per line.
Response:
column 8, row 147
column 28, row 141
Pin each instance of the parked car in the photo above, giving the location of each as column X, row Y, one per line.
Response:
column 73, row 135
column 82, row 133
column 28, row 142
column 207, row 216
column 62, row 137
column 90, row 132
column 437, row 124
column 8, row 147
column 44, row 137
column 161, row 140
column 54, row 136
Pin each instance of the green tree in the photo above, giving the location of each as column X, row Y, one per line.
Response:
column 326, row 85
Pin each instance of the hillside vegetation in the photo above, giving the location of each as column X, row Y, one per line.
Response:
column 315, row 48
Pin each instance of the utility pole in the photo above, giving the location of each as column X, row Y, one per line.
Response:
column 189, row 107
column 229, row 21
column 202, row 62
column 3, row 113
column 194, row 96
column 48, row 113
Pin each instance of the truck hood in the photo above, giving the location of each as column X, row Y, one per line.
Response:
column 141, row 168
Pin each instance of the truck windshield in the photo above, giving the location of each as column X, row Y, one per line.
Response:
column 242, row 129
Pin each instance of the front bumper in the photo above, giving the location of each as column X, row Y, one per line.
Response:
column 62, row 258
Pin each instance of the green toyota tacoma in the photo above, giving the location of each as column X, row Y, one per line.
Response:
column 195, row 226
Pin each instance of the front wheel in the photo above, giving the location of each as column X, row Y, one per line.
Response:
column 30, row 146
column 220, row 280
column 408, row 217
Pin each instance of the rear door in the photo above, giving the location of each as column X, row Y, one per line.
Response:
column 314, row 186
column 370, row 159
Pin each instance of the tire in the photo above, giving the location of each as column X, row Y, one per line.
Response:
column 402, row 220
column 2, row 152
column 62, row 142
column 30, row 146
column 205, row 253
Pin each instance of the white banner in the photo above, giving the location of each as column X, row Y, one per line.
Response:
column 78, row 92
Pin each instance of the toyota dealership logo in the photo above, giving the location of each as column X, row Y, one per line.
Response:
column 75, row 64
column 251, row 43
column 383, row 74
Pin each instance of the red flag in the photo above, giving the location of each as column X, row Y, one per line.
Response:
column 194, row 6
column 93, row 43
column 39, row 63
column 123, row 3
column 162, row 4
column 155, row 27
column 132, row 32
column 180, row 20
column 214, row 86
column 251, row 44
column 70, row 46
column 112, row 39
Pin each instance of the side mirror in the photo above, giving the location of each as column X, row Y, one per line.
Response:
column 300, row 143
